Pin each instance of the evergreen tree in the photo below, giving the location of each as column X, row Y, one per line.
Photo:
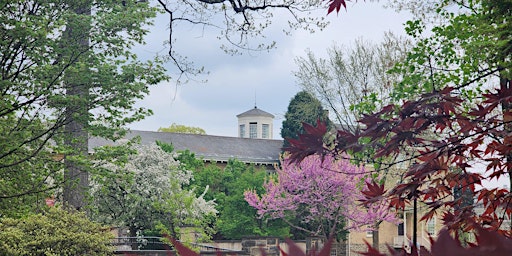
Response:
column 303, row 108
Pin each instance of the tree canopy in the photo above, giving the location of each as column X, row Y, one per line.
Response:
column 322, row 195
column 226, row 186
column 146, row 192
column 66, row 73
column 179, row 128
column 353, row 79
column 303, row 108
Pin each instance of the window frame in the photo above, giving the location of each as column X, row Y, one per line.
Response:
column 253, row 130
column 241, row 130
column 265, row 131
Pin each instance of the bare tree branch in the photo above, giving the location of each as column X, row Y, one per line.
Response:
column 243, row 25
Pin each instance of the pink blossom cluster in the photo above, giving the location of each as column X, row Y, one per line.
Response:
column 317, row 190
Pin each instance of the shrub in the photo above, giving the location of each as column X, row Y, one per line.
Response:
column 54, row 232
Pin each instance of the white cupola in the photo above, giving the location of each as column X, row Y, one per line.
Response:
column 255, row 124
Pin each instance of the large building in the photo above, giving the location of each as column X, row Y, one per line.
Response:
column 254, row 146
column 212, row 149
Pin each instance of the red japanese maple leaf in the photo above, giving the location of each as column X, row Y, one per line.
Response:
column 373, row 192
column 309, row 143
column 336, row 5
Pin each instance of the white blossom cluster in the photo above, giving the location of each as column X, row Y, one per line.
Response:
column 148, row 189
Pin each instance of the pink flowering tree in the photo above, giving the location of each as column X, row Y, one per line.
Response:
column 320, row 197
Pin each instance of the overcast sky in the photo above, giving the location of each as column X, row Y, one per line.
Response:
column 236, row 83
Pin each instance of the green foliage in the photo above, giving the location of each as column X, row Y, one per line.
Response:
column 54, row 232
column 51, row 52
column 302, row 108
column 25, row 179
column 464, row 50
column 189, row 161
column 28, row 175
column 236, row 218
column 226, row 186
column 169, row 148
column 179, row 128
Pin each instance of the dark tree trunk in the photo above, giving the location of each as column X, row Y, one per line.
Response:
column 375, row 237
column 133, row 238
column 77, row 179
column 77, row 90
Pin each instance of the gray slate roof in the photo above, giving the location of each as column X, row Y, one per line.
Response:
column 255, row 112
column 209, row 147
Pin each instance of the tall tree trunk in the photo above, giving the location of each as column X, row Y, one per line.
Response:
column 77, row 90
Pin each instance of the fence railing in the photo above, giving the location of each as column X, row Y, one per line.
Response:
column 157, row 243
column 141, row 243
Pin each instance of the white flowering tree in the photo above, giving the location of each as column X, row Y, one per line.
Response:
column 145, row 192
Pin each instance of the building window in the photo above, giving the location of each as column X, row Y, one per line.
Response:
column 253, row 130
column 265, row 128
column 431, row 226
column 242, row 130
column 401, row 229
